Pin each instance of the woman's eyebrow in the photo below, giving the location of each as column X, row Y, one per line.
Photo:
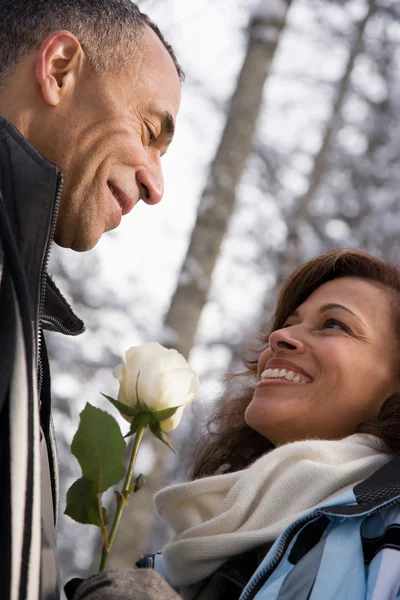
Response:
column 332, row 305
column 325, row 308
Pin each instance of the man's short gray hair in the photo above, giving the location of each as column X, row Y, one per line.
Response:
column 108, row 30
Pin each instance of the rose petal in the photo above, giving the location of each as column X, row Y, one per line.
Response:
column 178, row 387
column 143, row 353
column 119, row 372
column 128, row 386
column 150, row 388
column 173, row 422
column 121, row 398
column 175, row 360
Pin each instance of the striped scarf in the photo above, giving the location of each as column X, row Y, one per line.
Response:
column 20, row 566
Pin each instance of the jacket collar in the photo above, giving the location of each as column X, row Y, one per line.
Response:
column 28, row 184
column 379, row 490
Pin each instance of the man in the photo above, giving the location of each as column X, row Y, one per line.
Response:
column 89, row 92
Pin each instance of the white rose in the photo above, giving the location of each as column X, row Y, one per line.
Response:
column 165, row 380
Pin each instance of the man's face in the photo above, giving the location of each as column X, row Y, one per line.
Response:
column 108, row 140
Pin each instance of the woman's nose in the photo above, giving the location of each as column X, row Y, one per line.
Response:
column 286, row 339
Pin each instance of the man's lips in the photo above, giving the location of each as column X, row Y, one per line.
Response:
column 126, row 202
column 275, row 363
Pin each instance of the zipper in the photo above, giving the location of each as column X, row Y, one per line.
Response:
column 150, row 562
column 288, row 536
column 291, row 532
column 59, row 326
column 146, row 562
column 43, row 275
column 53, row 459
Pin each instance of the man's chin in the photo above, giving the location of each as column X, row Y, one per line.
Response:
column 76, row 243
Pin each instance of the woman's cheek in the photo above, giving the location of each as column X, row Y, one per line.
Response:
column 263, row 358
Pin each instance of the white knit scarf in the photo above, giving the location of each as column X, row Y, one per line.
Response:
column 218, row 517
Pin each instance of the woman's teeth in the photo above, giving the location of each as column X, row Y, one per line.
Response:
column 283, row 374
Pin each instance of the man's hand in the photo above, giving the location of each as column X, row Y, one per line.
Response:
column 129, row 584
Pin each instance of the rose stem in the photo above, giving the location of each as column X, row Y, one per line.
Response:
column 122, row 498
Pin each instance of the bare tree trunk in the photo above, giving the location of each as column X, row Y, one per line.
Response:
column 289, row 260
column 218, row 199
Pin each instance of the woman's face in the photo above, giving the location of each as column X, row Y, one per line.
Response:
column 331, row 366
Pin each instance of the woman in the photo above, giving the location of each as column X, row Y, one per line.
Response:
column 296, row 490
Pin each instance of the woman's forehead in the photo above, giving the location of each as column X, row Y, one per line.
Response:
column 355, row 293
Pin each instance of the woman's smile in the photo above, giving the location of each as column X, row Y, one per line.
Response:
column 281, row 376
column 281, row 371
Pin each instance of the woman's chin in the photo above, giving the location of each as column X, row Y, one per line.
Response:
column 270, row 413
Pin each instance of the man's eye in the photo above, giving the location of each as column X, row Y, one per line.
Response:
column 334, row 324
column 152, row 137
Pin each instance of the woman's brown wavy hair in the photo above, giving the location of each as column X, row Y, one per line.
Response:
column 229, row 444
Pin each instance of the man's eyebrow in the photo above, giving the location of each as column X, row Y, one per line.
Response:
column 168, row 125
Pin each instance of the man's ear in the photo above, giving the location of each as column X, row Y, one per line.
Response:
column 58, row 64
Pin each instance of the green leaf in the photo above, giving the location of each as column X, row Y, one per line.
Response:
column 156, row 430
column 124, row 409
column 166, row 413
column 82, row 503
column 99, row 447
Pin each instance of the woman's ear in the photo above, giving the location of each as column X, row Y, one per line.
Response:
column 58, row 65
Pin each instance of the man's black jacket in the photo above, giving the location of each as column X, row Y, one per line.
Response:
column 30, row 191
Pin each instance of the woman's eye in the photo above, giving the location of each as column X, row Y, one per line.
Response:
column 334, row 323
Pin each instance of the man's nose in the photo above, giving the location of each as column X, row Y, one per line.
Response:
column 285, row 339
column 151, row 185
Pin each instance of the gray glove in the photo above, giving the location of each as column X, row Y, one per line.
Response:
column 129, row 584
